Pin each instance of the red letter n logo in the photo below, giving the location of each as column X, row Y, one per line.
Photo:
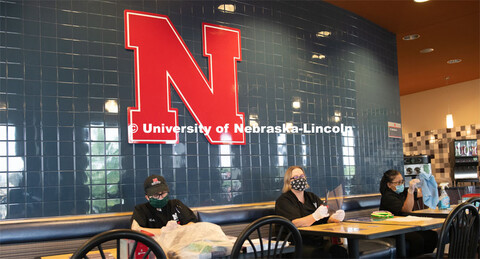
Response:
column 162, row 61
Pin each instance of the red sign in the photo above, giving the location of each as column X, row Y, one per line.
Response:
column 162, row 62
column 394, row 130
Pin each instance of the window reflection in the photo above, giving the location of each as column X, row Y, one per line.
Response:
column 348, row 153
column 3, row 209
column 9, row 145
column 179, row 157
column 103, row 175
column 282, row 150
column 225, row 152
column 11, row 163
column 304, row 150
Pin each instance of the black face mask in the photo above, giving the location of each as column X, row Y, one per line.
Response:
column 299, row 184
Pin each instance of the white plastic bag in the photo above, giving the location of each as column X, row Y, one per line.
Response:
column 199, row 240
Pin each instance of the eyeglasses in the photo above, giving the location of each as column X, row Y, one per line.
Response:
column 297, row 177
column 159, row 196
column 399, row 182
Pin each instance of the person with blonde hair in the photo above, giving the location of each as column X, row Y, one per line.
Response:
column 304, row 209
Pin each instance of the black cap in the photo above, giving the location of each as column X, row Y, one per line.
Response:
column 155, row 184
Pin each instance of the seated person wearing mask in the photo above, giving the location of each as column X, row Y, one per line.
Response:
column 154, row 214
column 305, row 209
column 399, row 201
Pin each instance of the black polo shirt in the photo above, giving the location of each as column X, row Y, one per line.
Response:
column 393, row 201
column 149, row 217
column 288, row 206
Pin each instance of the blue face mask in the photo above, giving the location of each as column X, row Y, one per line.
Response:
column 399, row 188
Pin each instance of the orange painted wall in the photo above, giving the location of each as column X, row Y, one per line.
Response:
column 427, row 110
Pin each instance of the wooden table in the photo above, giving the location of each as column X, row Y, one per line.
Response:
column 109, row 253
column 433, row 213
column 354, row 231
column 420, row 223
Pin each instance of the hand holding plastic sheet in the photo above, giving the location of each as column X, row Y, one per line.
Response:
column 338, row 215
column 413, row 184
column 320, row 213
column 335, row 199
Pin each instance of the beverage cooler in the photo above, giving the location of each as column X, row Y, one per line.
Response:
column 464, row 158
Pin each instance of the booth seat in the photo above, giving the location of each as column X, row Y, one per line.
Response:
column 60, row 229
column 32, row 238
column 233, row 220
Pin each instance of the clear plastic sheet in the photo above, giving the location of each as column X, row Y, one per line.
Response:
column 334, row 199
column 199, row 240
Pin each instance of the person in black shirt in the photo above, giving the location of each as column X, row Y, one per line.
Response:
column 399, row 201
column 159, row 210
column 305, row 209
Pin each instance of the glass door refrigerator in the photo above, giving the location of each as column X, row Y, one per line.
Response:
column 464, row 156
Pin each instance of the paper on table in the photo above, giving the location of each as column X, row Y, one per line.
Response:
column 408, row 219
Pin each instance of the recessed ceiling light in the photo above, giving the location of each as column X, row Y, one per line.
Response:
column 411, row 37
column 323, row 34
column 421, row 1
column 111, row 106
column 318, row 56
column 454, row 61
column 226, row 8
column 296, row 104
column 427, row 50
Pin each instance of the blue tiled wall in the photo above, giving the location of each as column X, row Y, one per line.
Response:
column 63, row 153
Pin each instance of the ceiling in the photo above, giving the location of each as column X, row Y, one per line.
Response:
column 450, row 27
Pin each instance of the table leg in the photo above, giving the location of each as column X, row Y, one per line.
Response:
column 353, row 248
column 401, row 246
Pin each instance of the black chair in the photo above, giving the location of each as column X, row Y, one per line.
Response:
column 119, row 234
column 280, row 231
column 475, row 201
column 460, row 229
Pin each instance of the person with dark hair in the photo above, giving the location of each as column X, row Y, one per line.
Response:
column 305, row 209
column 399, row 201
column 159, row 210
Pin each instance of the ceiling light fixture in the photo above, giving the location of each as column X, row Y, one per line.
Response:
column 226, row 8
column 337, row 116
column 454, row 61
column 111, row 106
column 318, row 56
column 411, row 37
column 253, row 123
column 427, row 50
column 323, row 34
column 296, row 104
column 420, row 1
column 449, row 121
